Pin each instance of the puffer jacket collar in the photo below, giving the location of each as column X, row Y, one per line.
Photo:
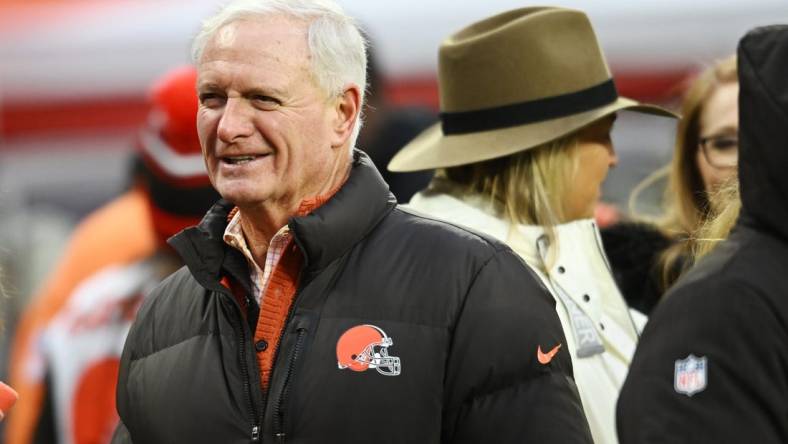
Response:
column 763, row 119
column 328, row 232
column 322, row 235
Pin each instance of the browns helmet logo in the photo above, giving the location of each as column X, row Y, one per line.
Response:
column 366, row 346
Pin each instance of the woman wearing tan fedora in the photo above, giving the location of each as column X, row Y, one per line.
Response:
column 527, row 105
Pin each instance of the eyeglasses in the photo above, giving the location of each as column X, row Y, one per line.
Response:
column 721, row 151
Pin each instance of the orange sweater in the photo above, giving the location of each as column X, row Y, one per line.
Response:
column 279, row 294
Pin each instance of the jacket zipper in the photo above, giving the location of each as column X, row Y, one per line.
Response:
column 261, row 418
column 279, row 414
column 279, row 433
column 255, row 433
column 247, row 384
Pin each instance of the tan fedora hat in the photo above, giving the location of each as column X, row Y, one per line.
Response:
column 512, row 82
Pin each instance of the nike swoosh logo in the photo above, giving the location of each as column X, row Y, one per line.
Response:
column 545, row 358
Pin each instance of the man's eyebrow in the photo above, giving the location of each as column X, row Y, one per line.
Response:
column 252, row 91
column 207, row 86
column 263, row 91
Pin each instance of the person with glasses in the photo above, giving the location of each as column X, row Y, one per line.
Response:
column 721, row 151
column 712, row 363
column 704, row 158
column 647, row 258
column 712, row 118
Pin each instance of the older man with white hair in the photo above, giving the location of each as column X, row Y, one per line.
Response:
column 312, row 308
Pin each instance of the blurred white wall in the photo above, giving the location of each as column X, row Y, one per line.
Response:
column 99, row 47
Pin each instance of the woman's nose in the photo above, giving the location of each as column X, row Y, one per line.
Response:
column 613, row 160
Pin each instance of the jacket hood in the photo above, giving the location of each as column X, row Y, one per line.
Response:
column 763, row 128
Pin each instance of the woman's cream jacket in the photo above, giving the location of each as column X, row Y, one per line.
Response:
column 601, row 332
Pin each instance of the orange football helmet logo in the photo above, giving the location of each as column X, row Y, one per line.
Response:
column 366, row 346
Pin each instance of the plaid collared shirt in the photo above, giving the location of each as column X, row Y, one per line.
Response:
column 234, row 237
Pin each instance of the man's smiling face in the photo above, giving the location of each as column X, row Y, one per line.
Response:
column 264, row 124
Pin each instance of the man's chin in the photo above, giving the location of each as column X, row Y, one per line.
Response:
column 242, row 197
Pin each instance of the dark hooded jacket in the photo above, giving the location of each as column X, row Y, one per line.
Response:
column 712, row 363
column 461, row 315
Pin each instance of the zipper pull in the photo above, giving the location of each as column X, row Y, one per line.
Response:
column 280, row 437
column 255, row 434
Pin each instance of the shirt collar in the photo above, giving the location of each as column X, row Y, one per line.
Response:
column 233, row 233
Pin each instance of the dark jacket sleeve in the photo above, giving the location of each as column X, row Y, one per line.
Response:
column 138, row 342
column 496, row 388
column 634, row 251
column 734, row 329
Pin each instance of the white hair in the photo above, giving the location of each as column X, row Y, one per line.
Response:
column 337, row 49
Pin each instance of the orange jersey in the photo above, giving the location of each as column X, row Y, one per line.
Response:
column 82, row 346
column 120, row 232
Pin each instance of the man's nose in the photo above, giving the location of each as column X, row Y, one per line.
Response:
column 235, row 122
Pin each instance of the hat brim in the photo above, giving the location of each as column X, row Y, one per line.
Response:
column 432, row 149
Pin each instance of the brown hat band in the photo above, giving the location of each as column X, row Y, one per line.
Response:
column 505, row 116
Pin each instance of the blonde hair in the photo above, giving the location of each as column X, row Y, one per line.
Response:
column 685, row 201
column 726, row 204
column 528, row 187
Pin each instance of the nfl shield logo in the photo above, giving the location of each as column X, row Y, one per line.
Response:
column 690, row 375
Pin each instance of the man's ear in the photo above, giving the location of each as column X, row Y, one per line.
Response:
column 347, row 108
